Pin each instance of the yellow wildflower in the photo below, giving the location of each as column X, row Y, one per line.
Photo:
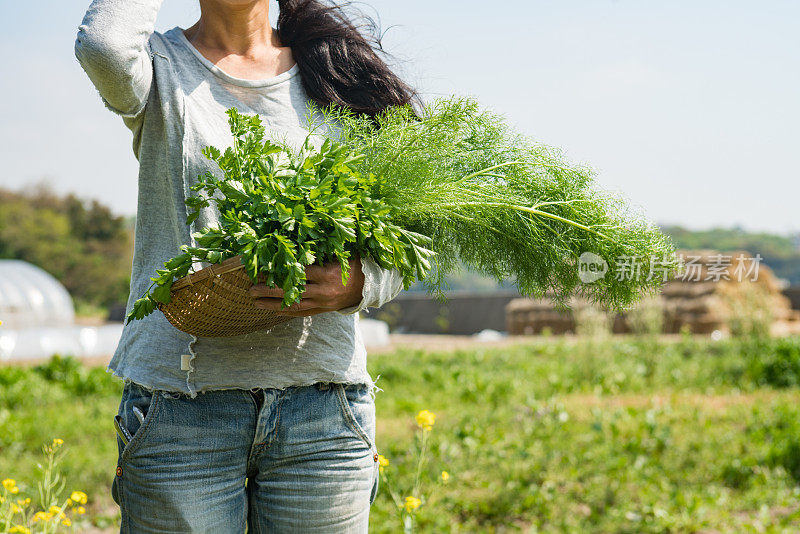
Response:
column 81, row 510
column 42, row 516
column 383, row 462
column 20, row 529
column 412, row 503
column 69, row 503
column 425, row 419
column 15, row 509
column 24, row 502
column 55, row 510
column 57, row 442
column 9, row 483
column 79, row 497
column 66, row 522
column 445, row 476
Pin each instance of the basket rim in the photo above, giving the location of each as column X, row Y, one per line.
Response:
column 227, row 266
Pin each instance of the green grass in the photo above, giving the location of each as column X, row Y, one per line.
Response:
column 624, row 435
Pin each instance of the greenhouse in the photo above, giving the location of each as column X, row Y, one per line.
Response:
column 38, row 318
column 29, row 297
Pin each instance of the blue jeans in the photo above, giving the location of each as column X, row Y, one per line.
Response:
column 300, row 459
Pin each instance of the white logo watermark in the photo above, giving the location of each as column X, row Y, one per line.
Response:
column 591, row 267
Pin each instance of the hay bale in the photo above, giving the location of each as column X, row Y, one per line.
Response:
column 717, row 291
column 712, row 291
column 525, row 316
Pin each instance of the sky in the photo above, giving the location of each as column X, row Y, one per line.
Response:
column 690, row 109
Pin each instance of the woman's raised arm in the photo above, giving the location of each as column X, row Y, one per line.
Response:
column 112, row 47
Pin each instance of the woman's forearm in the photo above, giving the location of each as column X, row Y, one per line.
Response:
column 112, row 47
column 380, row 286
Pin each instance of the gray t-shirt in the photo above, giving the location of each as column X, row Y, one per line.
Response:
column 173, row 99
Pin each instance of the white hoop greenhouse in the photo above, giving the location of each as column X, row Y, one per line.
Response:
column 39, row 318
column 29, row 297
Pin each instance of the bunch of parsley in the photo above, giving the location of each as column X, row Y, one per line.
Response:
column 282, row 211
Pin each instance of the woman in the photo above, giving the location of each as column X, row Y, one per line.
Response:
column 271, row 431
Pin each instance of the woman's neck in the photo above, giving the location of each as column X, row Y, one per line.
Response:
column 237, row 29
column 239, row 38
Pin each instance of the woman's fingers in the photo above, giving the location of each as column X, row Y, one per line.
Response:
column 330, row 273
column 312, row 291
column 276, row 305
column 323, row 291
column 305, row 313
column 263, row 291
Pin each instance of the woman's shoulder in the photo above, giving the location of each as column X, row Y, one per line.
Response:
column 179, row 65
column 168, row 44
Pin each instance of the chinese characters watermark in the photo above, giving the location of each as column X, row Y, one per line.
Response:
column 686, row 268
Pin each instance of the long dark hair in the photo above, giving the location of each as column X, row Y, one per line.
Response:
column 338, row 63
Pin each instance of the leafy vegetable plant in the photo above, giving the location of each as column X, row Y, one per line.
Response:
column 422, row 193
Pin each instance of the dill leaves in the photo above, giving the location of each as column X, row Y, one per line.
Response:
column 501, row 204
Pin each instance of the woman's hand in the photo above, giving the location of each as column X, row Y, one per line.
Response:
column 324, row 291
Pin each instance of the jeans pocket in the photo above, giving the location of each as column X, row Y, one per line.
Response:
column 137, row 409
column 358, row 410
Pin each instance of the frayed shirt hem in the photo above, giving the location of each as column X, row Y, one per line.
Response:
column 364, row 380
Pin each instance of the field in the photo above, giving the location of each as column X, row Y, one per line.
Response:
column 553, row 435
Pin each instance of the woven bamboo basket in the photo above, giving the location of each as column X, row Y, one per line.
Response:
column 215, row 302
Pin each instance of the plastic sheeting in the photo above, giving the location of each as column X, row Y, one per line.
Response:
column 374, row 333
column 42, row 343
column 102, row 341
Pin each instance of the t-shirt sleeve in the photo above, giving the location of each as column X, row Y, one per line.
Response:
column 380, row 286
column 113, row 48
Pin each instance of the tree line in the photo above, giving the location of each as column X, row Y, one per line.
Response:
column 81, row 243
